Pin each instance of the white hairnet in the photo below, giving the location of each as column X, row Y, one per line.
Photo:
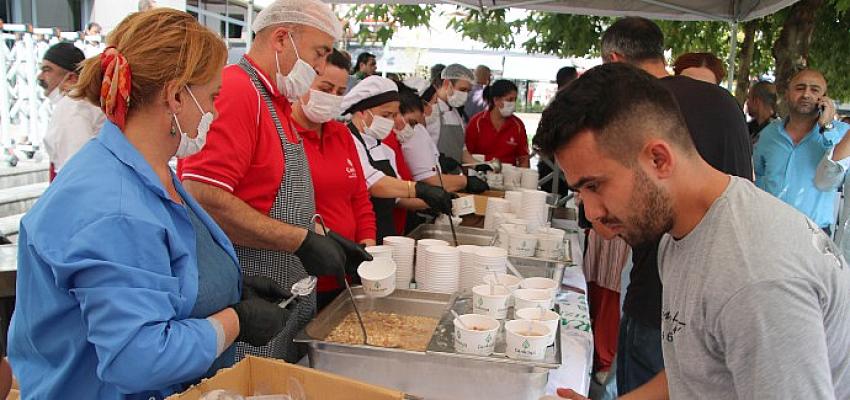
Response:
column 311, row 13
column 457, row 71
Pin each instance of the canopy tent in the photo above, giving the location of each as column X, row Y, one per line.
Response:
column 731, row 11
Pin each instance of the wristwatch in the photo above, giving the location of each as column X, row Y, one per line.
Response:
column 828, row 126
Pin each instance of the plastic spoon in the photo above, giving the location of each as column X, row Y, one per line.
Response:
column 301, row 288
column 460, row 321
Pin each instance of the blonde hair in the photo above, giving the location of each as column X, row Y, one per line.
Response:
column 161, row 45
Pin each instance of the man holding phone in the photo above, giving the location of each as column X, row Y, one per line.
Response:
column 787, row 154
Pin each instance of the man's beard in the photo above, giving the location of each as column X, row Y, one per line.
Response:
column 653, row 216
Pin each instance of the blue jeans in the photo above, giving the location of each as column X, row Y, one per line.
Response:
column 639, row 356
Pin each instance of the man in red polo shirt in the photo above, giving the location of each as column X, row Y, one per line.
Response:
column 253, row 177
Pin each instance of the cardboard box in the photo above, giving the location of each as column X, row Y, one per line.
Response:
column 267, row 376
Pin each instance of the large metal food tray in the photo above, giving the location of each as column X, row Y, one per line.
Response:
column 430, row 374
column 527, row 266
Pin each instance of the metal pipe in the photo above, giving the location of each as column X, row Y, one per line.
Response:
column 249, row 21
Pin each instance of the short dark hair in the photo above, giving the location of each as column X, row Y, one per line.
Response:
column 409, row 101
column 765, row 91
column 635, row 38
column 363, row 58
column 92, row 25
column 565, row 75
column 436, row 71
column 339, row 60
column 499, row 88
column 621, row 106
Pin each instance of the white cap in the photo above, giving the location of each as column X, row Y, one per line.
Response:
column 311, row 13
column 418, row 84
column 457, row 71
column 370, row 92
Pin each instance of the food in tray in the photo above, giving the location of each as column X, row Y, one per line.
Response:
column 408, row 332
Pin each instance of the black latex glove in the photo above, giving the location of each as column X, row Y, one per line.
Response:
column 483, row 168
column 438, row 199
column 263, row 287
column 260, row 320
column 354, row 253
column 321, row 255
column 475, row 185
column 448, row 165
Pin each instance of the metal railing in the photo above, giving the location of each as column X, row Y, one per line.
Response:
column 24, row 108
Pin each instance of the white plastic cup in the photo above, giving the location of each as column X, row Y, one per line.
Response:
column 522, row 244
column 463, row 205
column 378, row 277
column 509, row 281
column 514, row 197
column 480, row 339
column 526, row 340
column 529, row 179
column 494, row 305
column 532, row 298
column 547, row 317
column 549, row 247
column 519, row 224
column 380, row 251
column 541, row 283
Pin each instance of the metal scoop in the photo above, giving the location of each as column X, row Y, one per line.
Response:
column 347, row 286
column 301, row 288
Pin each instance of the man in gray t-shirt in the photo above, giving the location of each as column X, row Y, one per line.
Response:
column 756, row 304
column 756, row 301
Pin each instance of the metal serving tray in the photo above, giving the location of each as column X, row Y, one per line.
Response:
column 431, row 374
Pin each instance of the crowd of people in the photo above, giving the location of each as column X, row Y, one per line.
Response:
column 733, row 293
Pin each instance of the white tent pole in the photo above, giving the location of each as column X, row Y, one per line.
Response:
column 249, row 21
column 733, row 48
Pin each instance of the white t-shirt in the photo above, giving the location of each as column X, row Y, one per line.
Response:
column 378, row 152
column 421, row 153
column 72, row 124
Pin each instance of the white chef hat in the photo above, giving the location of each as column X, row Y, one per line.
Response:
column 369, row 93
column 457, row 71
column 311, row 13
column 418, row 84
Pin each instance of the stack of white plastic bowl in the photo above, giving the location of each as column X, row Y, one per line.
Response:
column 441, row 270
column 501, row 218
column 489, row 259
column 422, row 257
column 503, row 234
column 402, row 253
column 495, row 205
column 511, row 177
column 515, row 198
column 467, row 266
column 534, row 209
column 529, row 179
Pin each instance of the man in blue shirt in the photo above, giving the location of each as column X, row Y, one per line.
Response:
column 789, row 150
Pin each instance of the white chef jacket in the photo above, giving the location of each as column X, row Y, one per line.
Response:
column 420, row 153
column 72, row 124
column 378, row 152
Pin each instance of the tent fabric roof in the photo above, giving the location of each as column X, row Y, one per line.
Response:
column 682, row 10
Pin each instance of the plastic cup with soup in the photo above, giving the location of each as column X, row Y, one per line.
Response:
column 491, row 301
column 547, row 284
column 532, row 298
column 526, row 340
column 547, row 317
column 378, row 277
column 477, row 334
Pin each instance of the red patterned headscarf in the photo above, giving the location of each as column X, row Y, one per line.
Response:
column 115, row 88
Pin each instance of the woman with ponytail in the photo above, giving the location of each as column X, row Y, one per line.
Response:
column 126, row 287
column 496, row 132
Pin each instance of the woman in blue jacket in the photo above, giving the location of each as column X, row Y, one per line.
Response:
column 126, row 288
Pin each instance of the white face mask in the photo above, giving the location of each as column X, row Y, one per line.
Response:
column 380, row 128
column 298, row 82
column 458, row 98
column 57, row 94
column 188, row 145
column 508, row 109
column 322, row 106
column 434, row 118
column 405, row 134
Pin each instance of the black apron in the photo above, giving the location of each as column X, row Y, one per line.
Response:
column 383, row 207
column 293, row 205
